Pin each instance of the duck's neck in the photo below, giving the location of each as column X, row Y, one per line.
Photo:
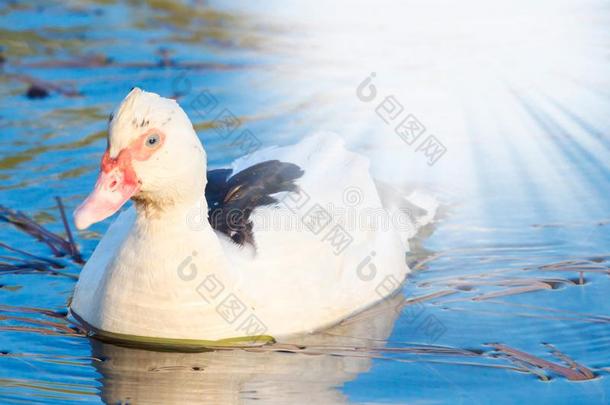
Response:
column 153, row 212
column 158, row 217
column 175, row 231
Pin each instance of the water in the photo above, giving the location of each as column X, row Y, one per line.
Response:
column 516, row 92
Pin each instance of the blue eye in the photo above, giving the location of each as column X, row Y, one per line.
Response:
column 152, row 140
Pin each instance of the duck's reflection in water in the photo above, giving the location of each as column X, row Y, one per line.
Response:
column 322, row 363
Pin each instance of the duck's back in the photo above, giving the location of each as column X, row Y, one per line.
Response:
column 327, row 250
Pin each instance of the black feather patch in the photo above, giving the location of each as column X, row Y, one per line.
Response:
column 231, row 200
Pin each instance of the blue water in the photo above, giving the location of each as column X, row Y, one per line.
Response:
column 516, row 92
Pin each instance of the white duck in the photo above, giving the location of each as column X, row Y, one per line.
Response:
column 280, row 254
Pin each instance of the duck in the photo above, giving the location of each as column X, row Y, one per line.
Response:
column 284, row 241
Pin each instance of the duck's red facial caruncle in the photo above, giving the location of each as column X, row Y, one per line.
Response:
column 117, row 181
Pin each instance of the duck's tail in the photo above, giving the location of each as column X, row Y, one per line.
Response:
column 410, row 208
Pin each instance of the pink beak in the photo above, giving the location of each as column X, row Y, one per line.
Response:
column 116, row 184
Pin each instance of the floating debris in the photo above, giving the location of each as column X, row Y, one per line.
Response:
column 58, row 245
column 576, row 372
column 54, row 263
column 38, row 88
column 36, row 92
column 73, row 248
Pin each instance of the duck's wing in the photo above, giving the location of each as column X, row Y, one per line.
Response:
column 232, row 198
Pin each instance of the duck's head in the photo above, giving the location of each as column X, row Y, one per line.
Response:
column 153, row 156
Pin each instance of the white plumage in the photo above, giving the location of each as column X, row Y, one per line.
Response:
column 162, row 271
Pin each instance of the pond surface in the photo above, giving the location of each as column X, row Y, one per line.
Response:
column 509, row 297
